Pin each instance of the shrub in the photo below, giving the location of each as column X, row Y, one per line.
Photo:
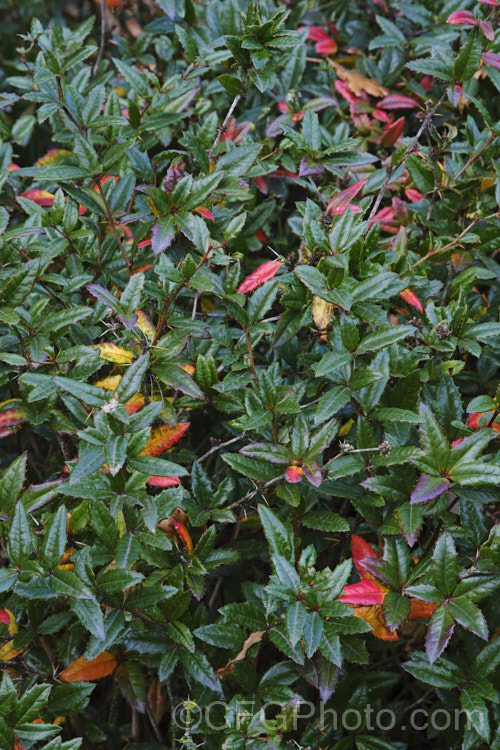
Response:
column 249, row 370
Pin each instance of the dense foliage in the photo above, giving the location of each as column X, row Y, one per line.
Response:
column 249, row 344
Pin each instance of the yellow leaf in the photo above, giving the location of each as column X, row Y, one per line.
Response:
column 115, row 353
column 109, row 384
column 346, row 428
column 357, row 82
column 144, row 323
column 322, row 312
column 7, row 651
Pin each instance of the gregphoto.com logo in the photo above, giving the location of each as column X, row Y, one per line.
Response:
column 189, row 716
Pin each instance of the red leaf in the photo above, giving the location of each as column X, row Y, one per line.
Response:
column 164, row 437
column 487, row 30
column 317, row 34
column 341, row 200
column 260, row 235
column 205, row 212
column 490, row 58
column 135, row 403
column 163, row 481
column 474, row 419
column 463, row 17
column 414, row 195
column 144, row 243
column 361, row 550
column 363, row 593
column 85, row 671
column 397, row 101
column 326, row 47
column 261, row 184
column 184, row 536
column 41, row 197
column 266, row 271
column 4, row 617
column 392, row 132
column 411, row 298
column 294, row 474
column 489, row 2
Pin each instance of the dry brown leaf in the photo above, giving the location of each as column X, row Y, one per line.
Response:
column 252, row 639
column 322, row 312
column 167, row 525
column 357, row 82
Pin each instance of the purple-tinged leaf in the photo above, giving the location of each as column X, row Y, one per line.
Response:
column 162, row 235
column 312, row 473
column 128, row 321
column 103, row 296
column 427, row 488
column 275, row 454
column 440, row 630
column 307, row 167
column 322, row 674
column 410, row 521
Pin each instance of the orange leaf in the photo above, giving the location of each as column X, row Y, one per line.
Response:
column 263, row 273
column 183, row 534
column 420, row 609
column 411, row 298
column 164, row 437
column 83, row 670
column 374, row 617
column 135, row 403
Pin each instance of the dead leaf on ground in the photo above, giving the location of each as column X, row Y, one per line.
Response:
column 252, row 639
column 357, row 82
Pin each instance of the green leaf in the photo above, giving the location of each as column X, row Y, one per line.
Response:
column 67, row 583
column 278, row 535
column 110, row 581
column 296, row 616
column 20, row 539
column 396, row 609
column 469, row 57
column 325, row 521
column 157, row 467
column 54, row 542
column 90, row 462
column 137, row 80
column 445, row 568
column 384, row 338
column 131, row 381
column 468, row 616
column 115, row 451
column 67, row 700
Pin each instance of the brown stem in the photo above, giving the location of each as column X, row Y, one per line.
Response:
column 114, row 229
column 100, row 53
column 392, row 167
column 454, row 242
column 250, row 354
column 476, row 155
column 229, row 114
